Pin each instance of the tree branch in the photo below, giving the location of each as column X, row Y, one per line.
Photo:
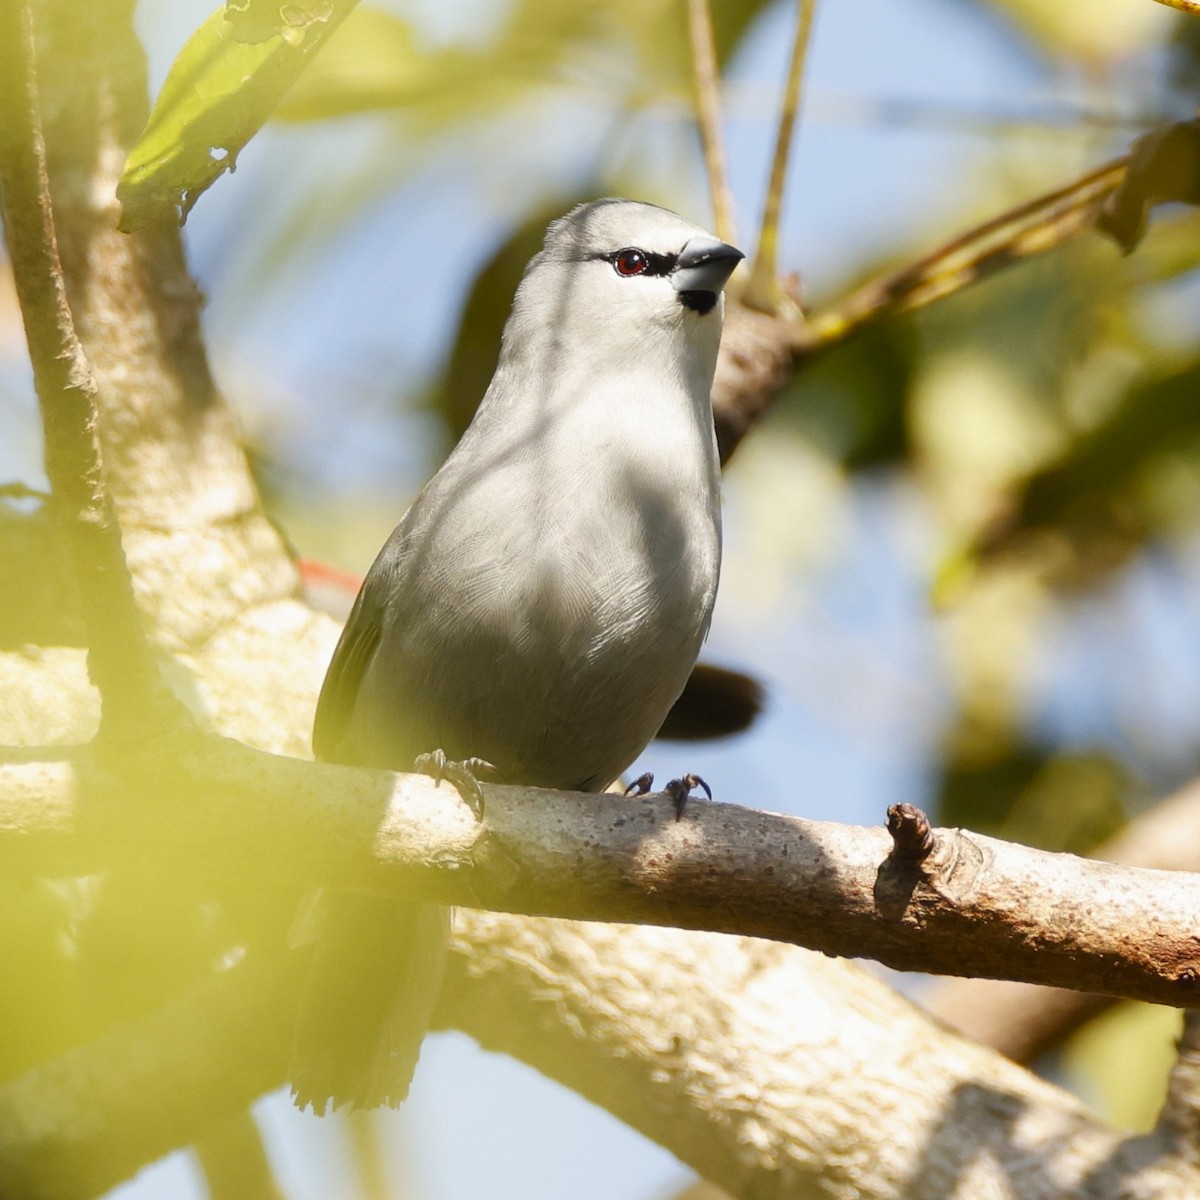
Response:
column 1022, row 1020
column 202, row 552
column 134, row 700
column 83, row 1122
column 755, row 1064
column 974, row 906
column 762, row 290
column 760, row 352
column 707, row 74
column 1180, row 1116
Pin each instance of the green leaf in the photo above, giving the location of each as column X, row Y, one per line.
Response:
column 223, row 86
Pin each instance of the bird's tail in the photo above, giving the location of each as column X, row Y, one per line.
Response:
column 374, row 980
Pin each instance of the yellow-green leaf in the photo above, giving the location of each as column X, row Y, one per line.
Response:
column 223, row 86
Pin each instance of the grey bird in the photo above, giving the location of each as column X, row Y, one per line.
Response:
column 541, row 604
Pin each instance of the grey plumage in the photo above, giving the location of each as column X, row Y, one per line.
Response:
column 543, row 601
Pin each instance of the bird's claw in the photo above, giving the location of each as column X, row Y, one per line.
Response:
column 678, row 789
column 681, row 789
column 461, row 775
column 641, row 785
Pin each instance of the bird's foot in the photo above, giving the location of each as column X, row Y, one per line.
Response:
column 641, row 785
column 678, row 789
column 461, row 775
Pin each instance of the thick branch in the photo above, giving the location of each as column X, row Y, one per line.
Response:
column 203, row 554
column 82, row 1123
column 119, row 657
column 752, row 1063
column 771, row 1071
column 975, row 906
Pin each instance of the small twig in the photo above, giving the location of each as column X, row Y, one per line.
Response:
column 21, row 491
column 912, row 834
column 120, row 660
column 763, row 291
column 707, row 76
column 1187, row 6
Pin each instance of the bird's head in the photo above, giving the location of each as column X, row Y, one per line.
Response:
column 628, row 278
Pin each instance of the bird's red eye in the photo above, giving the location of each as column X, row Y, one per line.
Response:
column 630, row 262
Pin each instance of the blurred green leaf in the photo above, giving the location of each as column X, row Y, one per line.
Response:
column 223, row 86
column 1062, row 802
column 1164, row 165
column 377, row 63
column 852, row 402
column 1093, row 489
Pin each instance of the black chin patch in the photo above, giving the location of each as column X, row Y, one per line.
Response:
column 701, row 302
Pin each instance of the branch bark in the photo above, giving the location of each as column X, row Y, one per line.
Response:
column 120, row 661
column 1023, row 1020
column 771, row 1071
column 974, row 906
column 202, row 552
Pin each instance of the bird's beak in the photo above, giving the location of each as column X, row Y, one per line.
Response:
column 705, row 265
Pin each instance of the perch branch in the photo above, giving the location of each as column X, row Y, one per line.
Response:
column 1022, row 1020
column 972, row 906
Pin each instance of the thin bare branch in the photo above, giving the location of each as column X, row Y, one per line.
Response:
column 234, row 1160
column 120, row 660
column 759, row 352
column 1033, row 227
column 763, row 291
column 707, row 74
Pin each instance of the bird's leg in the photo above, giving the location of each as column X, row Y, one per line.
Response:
column 680, row 789
column 460, row 775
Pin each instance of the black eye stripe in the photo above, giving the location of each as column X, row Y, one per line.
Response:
column 656, row 264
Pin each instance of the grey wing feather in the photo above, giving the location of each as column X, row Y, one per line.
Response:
column 355, row 649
